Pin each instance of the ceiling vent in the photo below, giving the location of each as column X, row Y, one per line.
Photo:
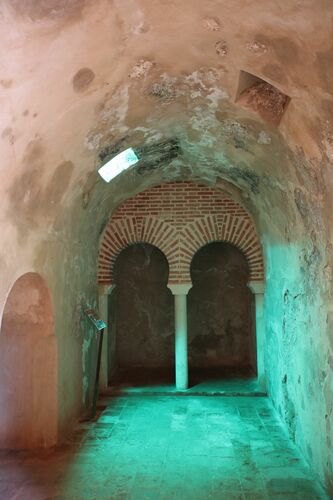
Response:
column 261, row 97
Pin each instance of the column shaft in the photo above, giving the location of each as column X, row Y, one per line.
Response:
column 180, row 292
column 259, row 298
column 181, row 341
column 258, row 289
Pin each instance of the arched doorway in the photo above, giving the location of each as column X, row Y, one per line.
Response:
column 141, row 316
column 179, row 218
column 221, row 330
column 28, row 361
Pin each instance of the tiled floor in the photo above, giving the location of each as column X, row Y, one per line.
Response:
column 171, row 447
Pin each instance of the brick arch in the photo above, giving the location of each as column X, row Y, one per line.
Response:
column 179, row 218
column 124, row 232
column 235, row 229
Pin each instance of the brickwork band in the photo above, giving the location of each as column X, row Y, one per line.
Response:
column 179, row 218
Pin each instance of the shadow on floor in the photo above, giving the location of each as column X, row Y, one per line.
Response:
column 233, row 382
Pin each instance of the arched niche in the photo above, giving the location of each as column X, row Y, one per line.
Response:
column 141, row 308
column 28, row 361
column 221, row 329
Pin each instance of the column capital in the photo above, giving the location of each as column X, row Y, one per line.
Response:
column 105, row 289
column 256, row 287
column 180, row 289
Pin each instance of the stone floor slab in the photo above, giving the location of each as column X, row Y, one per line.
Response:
column 167, row 447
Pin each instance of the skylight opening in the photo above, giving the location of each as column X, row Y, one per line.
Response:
column 118, row 164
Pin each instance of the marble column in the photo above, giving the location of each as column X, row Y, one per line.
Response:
column 258, row 289
column 181, row 360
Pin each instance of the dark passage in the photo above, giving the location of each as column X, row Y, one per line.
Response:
column 142, row 314
column 221, row 331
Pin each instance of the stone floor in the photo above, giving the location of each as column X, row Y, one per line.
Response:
column 171, row 447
